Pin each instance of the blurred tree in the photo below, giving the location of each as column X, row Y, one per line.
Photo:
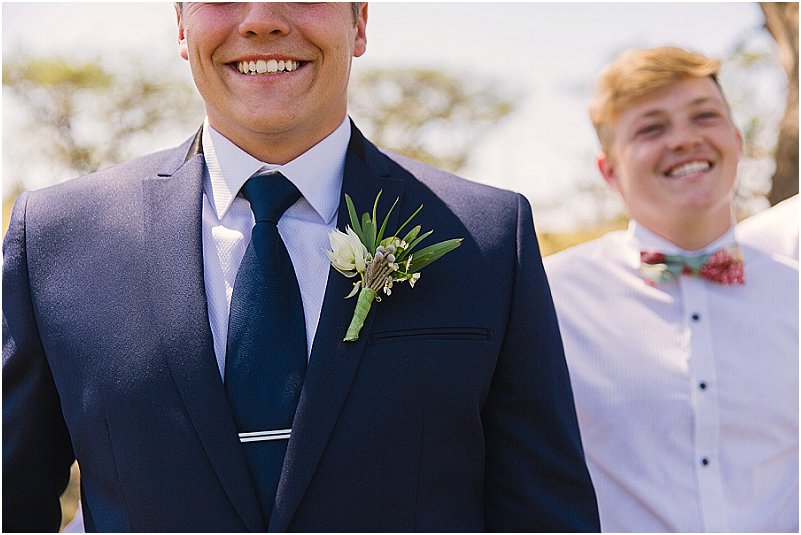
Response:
column 426, row 114
column 781, row 20
column 83, row 116
column 754, row 84
column 8, row 204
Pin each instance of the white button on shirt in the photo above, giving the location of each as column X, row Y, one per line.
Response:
column 687, row 392
column 304, row 227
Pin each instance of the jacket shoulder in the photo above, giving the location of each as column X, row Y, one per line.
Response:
column 117, row 176
column 112, row 188
column 111, row 197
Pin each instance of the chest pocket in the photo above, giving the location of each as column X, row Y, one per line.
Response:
column 432, row 333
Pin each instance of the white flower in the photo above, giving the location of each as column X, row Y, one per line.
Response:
column 348, row 254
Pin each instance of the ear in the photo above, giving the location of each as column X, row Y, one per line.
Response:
column 360, row 44
column 608, row 171
column 182, row 50
column 740, row 143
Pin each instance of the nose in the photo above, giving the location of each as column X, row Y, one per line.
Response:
column 684, row 136
column 260, row 19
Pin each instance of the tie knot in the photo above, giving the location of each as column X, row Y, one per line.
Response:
column 270, row 196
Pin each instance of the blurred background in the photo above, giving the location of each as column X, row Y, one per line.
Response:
column 496, row 92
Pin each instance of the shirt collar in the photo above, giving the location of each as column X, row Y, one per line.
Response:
column 643, row 238
column 317, row 173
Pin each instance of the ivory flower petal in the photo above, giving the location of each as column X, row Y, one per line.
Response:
column 348, row 254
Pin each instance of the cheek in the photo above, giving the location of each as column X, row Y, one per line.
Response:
column 737, row 148
column 201, row 46
column 634, row 169
column 205, row 34
column 643, row 167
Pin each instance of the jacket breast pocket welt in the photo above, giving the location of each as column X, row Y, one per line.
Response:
column 431, row 333
column 422, row 366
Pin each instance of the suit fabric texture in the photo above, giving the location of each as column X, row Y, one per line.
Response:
column 452, row 412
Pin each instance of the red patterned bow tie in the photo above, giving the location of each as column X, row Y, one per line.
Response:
column 724, row 266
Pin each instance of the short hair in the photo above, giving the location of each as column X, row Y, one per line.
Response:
column 639, row 73
column 354, row 7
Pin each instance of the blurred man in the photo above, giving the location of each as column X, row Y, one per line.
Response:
column 682, row 346
column 173, row 323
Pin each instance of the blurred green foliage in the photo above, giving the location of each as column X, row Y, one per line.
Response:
column 55, row 72
column 429, row 115
column 83, row 116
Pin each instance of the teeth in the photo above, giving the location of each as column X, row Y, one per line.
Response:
column 689, row 169
column 270, row 66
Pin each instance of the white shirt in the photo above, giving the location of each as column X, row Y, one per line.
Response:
column 774, row 230
column 228, row 222
column 687, row 392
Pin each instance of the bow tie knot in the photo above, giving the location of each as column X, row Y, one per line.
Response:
column 724, row 266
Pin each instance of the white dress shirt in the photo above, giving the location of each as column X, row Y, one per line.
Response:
column 687, row 392
column 774, row 230
column 228, row 222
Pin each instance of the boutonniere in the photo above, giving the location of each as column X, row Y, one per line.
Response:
column 379, row 261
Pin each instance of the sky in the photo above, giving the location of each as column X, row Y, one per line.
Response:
column 548, row 54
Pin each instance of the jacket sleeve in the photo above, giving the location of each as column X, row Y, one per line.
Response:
column 37, row 452
column 536, row 477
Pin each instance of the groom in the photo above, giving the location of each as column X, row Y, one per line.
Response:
column 153, row 318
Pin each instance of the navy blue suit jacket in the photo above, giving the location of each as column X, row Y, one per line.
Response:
column 453, row 411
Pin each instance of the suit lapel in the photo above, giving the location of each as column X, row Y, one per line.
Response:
column 333, row 363
column 173, row 210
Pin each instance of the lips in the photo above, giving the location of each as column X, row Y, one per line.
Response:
column 688, row 168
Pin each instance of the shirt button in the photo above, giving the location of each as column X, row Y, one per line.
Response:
column 705, row 461
column 702, row 385
column 696, row 316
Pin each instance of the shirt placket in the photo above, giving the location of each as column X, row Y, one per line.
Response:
column 705, row 404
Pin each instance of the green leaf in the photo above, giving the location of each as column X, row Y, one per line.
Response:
column 386, row 241
column 408, row 220
column 433, row 252
column 384, row 224
column 368, row 227
column 414, row 244
column 354, row 219
column 375, row 207
column 420, row 238
column 412, row 235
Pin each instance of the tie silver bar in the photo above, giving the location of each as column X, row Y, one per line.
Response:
column 258, row 436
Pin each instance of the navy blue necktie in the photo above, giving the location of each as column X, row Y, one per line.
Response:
column 265, row 360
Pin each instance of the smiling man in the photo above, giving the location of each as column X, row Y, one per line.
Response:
column 175, row 325
column 682, row 345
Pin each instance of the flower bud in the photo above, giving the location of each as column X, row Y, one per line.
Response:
column 391, row 258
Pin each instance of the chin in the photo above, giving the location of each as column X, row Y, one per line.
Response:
column 708, row 202
column 268, row 123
